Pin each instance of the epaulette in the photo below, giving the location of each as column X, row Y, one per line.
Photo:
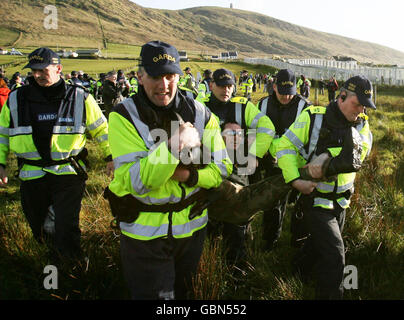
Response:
column 316, row 109
column 363, row 116
column 241, row 100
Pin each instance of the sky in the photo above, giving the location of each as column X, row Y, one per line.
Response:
column 369, row 20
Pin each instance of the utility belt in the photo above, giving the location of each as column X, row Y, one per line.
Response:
column 333, row 196
column 73, row 161
column 127, row 208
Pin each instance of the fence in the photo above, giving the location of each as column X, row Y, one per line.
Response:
column 390, row 76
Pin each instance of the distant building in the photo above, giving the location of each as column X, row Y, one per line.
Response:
column 2, row 51
column 183, row 56
column 233, row 55
column 224, row 55
column 67, row 54
column 89, row 53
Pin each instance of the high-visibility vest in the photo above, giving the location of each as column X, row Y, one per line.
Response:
column 203, row 89
column 246, row 86
column 143, row 169
column 263, row 106
column 298, row 145
column 78, row 112
column 134, row 85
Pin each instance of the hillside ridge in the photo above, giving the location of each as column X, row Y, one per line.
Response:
column 208, row 30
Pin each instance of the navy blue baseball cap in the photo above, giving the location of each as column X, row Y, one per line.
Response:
column 286, row 82
column 160, row 58
column 223, row 77
column 363, row 89
column 41, row 58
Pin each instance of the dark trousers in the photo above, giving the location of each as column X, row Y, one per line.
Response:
column 272, row 223
column 331, row 95
column 234, row 240
column 64, row 193
column 323, row 252
column 161, row 269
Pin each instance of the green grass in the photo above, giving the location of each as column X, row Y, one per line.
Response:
column 373, row 234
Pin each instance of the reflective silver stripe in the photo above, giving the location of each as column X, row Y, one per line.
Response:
column 142, row 127
column 344, row 203
column 130, row 157
column 220, row 155
column 264, row 105
column 300, row 107
column 315, row 135
column 200, row 118
column 69, row 129
column 360, row 126
column 171, row 199
column 207, row 87
column 12, row 104
column 282, row 153
column 102, row 138
column 296, row 141
column 189, row 94
column 323, row 202
column 238, row 113
column 97, row 123
column 4, row 141
column 145, row 231
column 325, row 187
column 28, row 155
column 136, row 180
column 4, row 131
column 20, row 130
column 59, row 169
column 346, row 187
column 268, row 131
column 257, row 118
column 79, row 110
column 65, row 155
column 189, row 226
column 26, row 174
column 223, row 170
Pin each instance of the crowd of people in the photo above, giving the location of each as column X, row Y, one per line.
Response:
column 148, row 125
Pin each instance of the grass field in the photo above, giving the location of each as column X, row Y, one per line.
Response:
column 373, row 234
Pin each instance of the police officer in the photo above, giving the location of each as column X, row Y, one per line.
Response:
column 283, row 107
column 203, row 88
column 244, row 113
column 246, row 85
column 188, row 80
column 44, row 124
column 328, row 129
column 162, row 238
column 133, row 82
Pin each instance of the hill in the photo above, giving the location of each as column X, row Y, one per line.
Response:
column 208, row 30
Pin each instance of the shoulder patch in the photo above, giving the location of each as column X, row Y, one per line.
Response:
column 241, row 100
column 317, row 109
